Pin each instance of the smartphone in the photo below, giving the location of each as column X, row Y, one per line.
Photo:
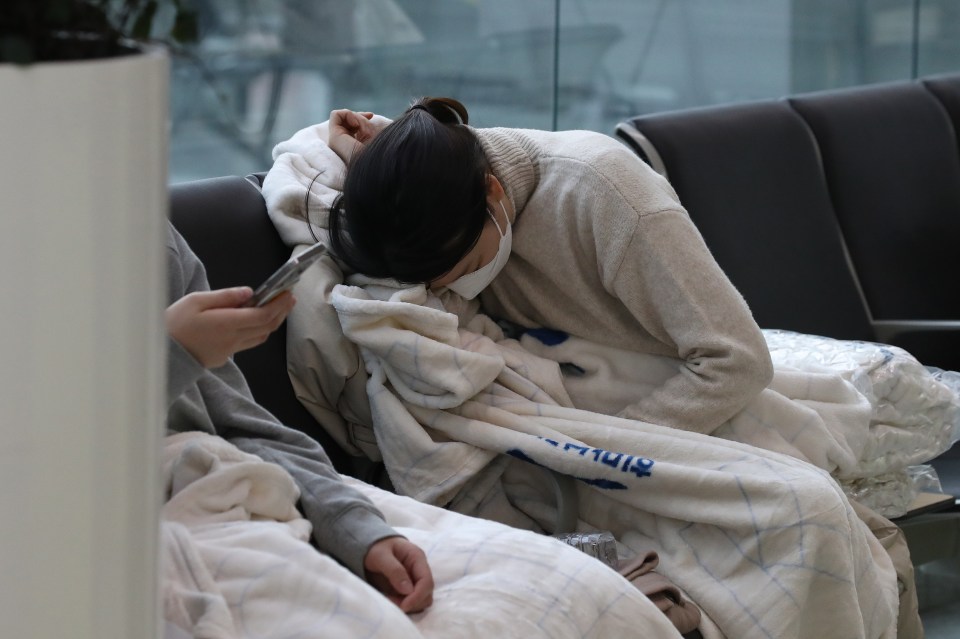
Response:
column 287, row 275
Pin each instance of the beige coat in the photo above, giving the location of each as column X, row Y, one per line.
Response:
column 603, row 250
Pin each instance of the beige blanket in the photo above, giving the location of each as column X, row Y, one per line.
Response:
column 766, row 544
column 237, row 563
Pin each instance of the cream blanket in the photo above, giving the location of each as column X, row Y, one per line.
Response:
column 864, row 412
column 236, row 563
column 766, row 544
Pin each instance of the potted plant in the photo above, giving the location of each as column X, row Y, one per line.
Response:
column 59, row 30
column 83, row 165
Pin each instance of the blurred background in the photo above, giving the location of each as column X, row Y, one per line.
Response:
column 262, row 69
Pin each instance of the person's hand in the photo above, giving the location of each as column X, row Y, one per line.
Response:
column 349, row 131
column 211, row 327
column 398, row 568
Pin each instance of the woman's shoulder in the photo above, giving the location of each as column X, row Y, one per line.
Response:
column 605, row 163
column 572, row 143
column 574, row 146
column 590, row 152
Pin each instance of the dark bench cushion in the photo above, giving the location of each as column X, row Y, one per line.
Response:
column 946, row 88
column 750, row 177
column 889, row 154
column 226, row 224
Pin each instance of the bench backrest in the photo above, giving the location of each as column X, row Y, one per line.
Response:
column 225, row 222
column 750, row 177
column 891, row 163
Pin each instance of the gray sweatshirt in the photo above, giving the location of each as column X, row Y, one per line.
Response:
column 219, row 402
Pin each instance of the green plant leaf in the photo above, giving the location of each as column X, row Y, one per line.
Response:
column 143, row 24
column 185, row 27
column 58, row 11
column 41, row 30
column 15, row 49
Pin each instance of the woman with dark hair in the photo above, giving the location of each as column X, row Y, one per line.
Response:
column 562, row 230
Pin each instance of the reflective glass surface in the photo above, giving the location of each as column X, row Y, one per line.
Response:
column 263, row 69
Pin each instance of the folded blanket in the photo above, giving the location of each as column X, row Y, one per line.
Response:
column 915, row 411
column 237, row 563
column 915, row 415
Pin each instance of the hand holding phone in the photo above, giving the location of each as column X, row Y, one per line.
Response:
column 214, row 325
column 287, row 275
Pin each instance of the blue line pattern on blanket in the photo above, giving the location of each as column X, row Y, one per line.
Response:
column 639, row 466
column 751, row 549
column 547, row 336
column 760, row 565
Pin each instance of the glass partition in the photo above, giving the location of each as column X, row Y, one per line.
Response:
column 263, row 69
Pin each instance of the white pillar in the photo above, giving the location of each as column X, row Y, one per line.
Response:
column 83, row 199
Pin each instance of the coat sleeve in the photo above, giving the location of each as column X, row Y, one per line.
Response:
column 671, row 284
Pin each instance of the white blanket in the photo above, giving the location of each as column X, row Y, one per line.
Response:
column 236, row 563
column 915, row 415
column 766, row 544
column 862, row 411
column 816, row 416
column 454, row 411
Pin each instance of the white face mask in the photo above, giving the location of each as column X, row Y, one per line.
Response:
column 469, row 286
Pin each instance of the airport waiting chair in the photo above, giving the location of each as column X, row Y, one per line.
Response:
column 749, row 176
column 893, row 172
column 946, row 88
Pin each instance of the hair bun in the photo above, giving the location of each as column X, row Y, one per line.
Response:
column 445, row 110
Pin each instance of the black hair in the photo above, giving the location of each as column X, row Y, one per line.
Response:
column 414, row 198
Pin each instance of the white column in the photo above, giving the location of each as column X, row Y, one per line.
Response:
column 83, row 200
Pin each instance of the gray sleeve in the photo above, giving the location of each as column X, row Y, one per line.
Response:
column 183, row 370
column 185, row 274
column 345, row 523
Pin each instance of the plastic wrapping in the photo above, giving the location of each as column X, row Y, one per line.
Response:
column 915, row 413
column 891, row 494
column 950, row 379
column 924, row 479
column 601, row 545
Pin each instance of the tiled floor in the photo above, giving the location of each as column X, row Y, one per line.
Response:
column 938, row 589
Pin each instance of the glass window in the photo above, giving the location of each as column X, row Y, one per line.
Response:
column 263, row 69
